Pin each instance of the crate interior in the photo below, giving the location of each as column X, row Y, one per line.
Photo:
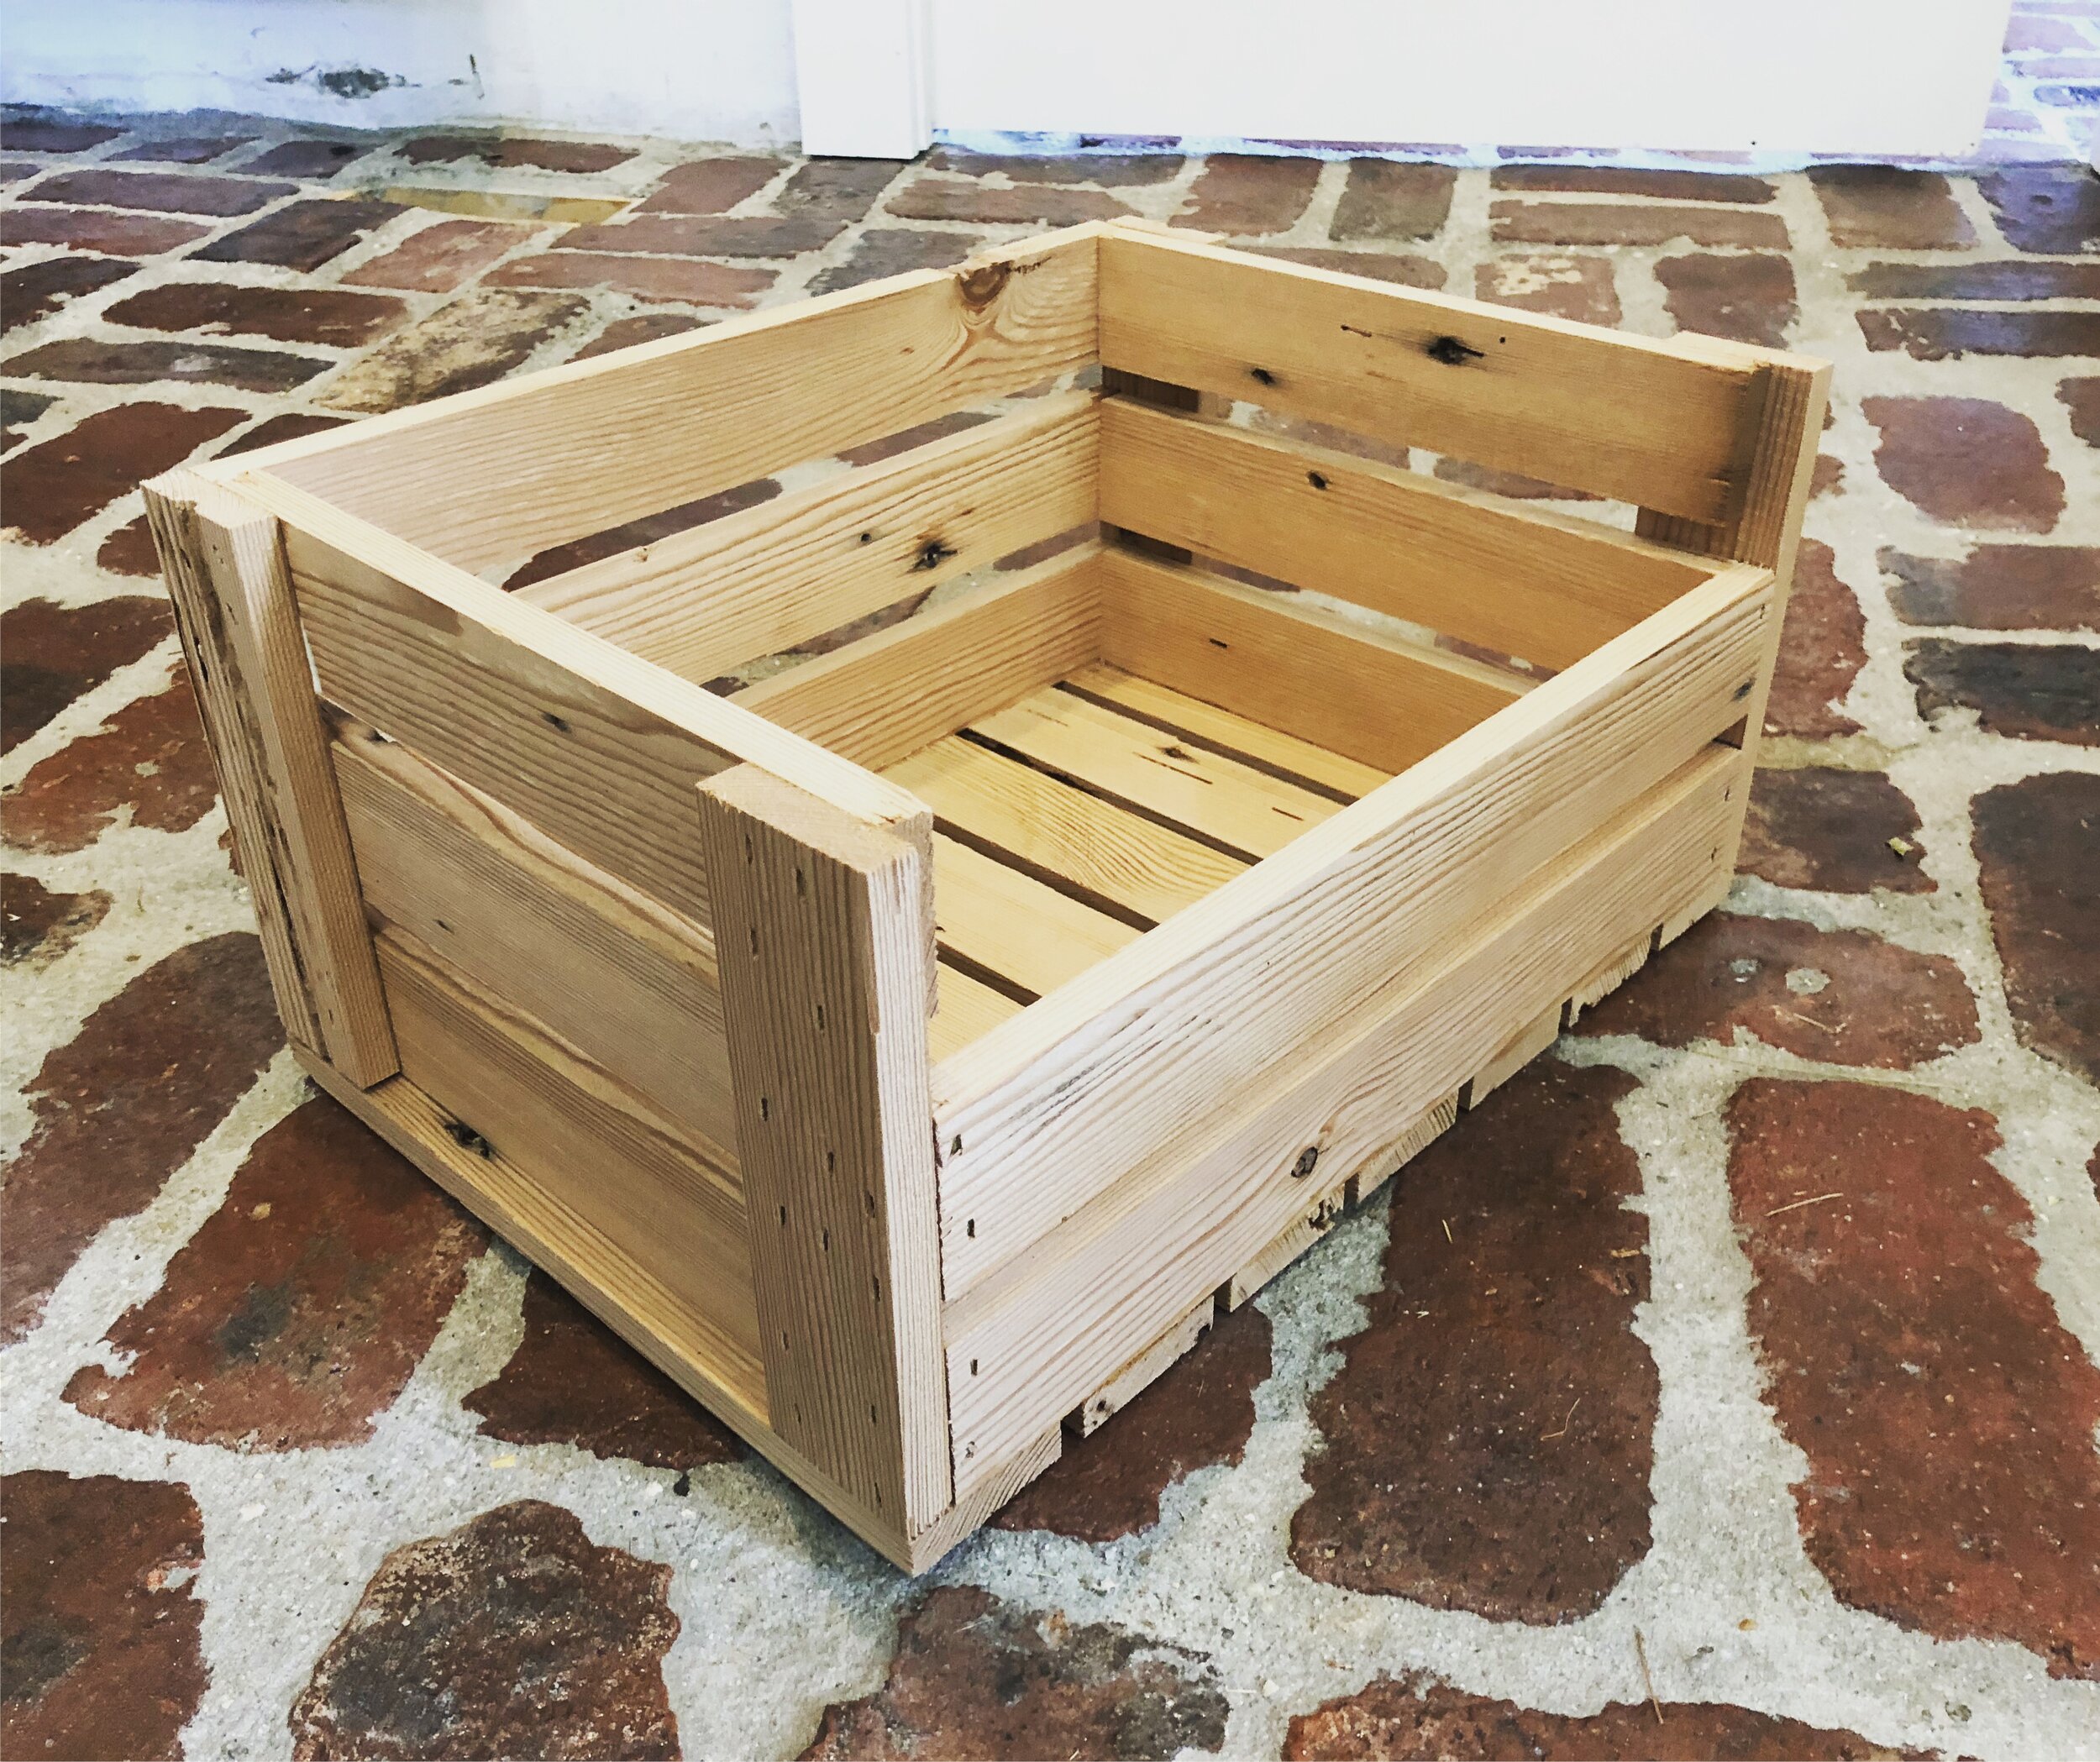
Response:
column 1124, row 637
column 1210, row 701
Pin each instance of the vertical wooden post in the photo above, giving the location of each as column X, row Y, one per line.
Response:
column 823, row 937
column 223, row 561
column 1778, row 452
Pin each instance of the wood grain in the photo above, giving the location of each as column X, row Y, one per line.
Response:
column 1132, row 1054
column 226, row 572
column 1007, row 922
column 1037, row 1337
column 1378, row 700
column 879, row 699
column 1248, row 813
column 1205, row 725
column 595, row 746
column 1015, row 810
column 1654, row 423
column 627, row 981
column 503, row 472
column 585, row 1139
column 1520, row 582
column 825, row 952
column 758, row 583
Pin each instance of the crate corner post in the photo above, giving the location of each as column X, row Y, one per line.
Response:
column 223, row 558
column 824, row 936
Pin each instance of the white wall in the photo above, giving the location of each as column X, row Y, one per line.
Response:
column 1782, row 76
column 1777, row 76
column 694, row 70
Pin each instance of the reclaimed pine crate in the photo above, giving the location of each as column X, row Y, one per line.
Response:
column 907, row 1051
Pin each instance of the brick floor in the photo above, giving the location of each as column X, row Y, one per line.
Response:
column 1614, row 1446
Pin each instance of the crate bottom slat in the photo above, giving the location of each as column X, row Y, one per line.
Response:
column 1088, row 810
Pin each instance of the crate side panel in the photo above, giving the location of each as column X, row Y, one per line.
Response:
column 1036, row 1341
column 1276, row 952
column 592, row 769
column 626, row 981
column 509, row 471
column 657, row 1321
column 1514, row 581
column 1651, row 423
column 594, row 1146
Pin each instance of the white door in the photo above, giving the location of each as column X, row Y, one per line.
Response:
column 1879, row 77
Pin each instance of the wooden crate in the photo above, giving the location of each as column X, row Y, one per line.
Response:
column 906, row 1051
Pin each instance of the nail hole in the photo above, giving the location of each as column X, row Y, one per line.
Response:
column 801, row 886
column 554, row 722
column 973, row 1367
column 783, row 1217
column 765, row 1107
column 1315, row 479
column 970, row 1229
column 1261, row 375
column 824, row 1237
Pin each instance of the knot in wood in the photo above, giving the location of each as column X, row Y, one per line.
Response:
column 1453, row 353
column 1307, row 1158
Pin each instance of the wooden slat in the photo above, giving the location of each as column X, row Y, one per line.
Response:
column 1299, row 1237
column 1609, row 976
column 1235, row 736
column 826, row 968
column 1650, row 422
column 1524, row 583
column 1040, row 1336
column 592, row 1144
column 629, row 983
column 504, row 472
column 1376, row 700
column 876, row 700
column 1075, row 1084
column 969, row 1008
column 1021, row 812
column 1521, row 1047
column 1143, row 1370
column 240, row 632
column 999, row 919
column 1246, row 810
column 595, row 747
column 1429, row 1125
column 704, row 601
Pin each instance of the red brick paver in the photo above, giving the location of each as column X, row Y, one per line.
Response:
column 1419, row 1497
